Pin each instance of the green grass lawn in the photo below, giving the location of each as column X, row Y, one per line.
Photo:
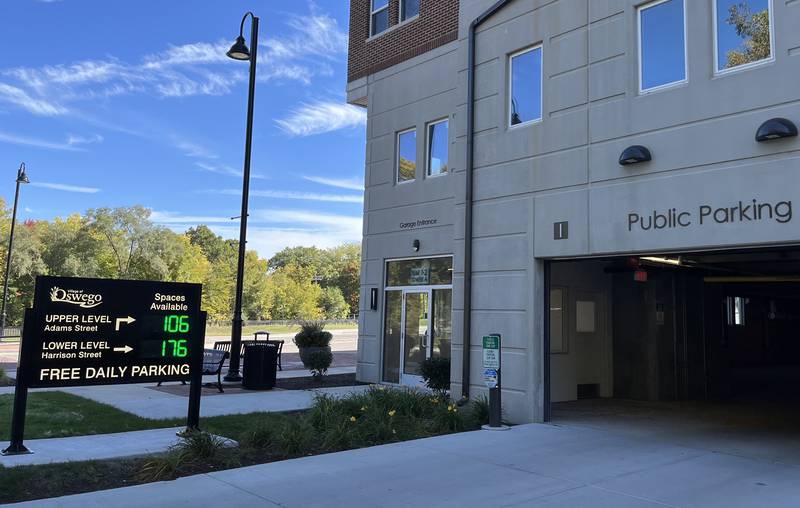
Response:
column 59, row 414
column 248, row 331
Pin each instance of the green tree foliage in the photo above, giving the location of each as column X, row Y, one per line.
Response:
column 298, row 283
column 339, row 267
column 753, row 28
column 333, row 303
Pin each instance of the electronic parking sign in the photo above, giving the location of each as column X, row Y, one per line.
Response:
column 95, row 331
column 99, row 332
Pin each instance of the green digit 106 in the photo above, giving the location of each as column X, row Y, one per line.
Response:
column 176, row 324
column 175, row 348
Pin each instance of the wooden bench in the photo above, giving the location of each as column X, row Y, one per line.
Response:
column 225, row 345
column 213, row 360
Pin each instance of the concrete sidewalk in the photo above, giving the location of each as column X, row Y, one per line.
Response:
column 530, row 465
column 142, row 401
column 96, row 447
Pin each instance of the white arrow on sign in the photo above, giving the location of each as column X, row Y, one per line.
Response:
column 125, row 349
column 121, row 320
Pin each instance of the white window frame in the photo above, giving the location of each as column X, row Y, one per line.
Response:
column 428, row 147
column 372, row 17
column 743, row 67
column 645, row 91
column 400, row 13
column 397, row 157
column 511, row 57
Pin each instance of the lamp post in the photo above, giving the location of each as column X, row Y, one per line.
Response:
column 21, row 178
column 240, row 51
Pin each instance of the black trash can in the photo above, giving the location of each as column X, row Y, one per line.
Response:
column 260, row 366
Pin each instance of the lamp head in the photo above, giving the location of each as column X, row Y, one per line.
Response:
column 776, row 128
column 22, row 177
column 239, row 50
column 634, row 154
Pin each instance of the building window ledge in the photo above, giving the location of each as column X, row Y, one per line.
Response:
column 393, row 28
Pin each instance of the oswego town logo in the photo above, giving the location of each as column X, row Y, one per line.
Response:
column 75, row 297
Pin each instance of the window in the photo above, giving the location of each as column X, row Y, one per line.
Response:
column 744, row 32
column 662, row 44
column 438, row 145
column 585, row 320
column 408, row 9
column 407, row 156
column 379, row 18
column 736, row 306
column 558, row 342
column 420, row 272
column 526, row 86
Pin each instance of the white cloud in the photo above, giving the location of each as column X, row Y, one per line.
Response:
column 21, row 98
column 314, row 35
column 188, row 54
column 169, row 218
column 66, row 188
column 271, row 230
column 194, row 150
column 72, row 144
column 224, row 169
column 73, row 140
column 180, row 70
column 306, row 196
column 341, row 183
column 321, row 117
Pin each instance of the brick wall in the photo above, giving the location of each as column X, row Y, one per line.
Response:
column 436, row 25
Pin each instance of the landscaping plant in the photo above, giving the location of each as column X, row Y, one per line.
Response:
column 313, row 344
column 4, row 379
column 436, row 374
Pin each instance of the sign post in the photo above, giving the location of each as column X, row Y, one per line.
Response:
column 492, row 378
column 84, row 332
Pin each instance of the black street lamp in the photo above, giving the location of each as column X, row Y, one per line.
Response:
column 21, row 178
column 240, row 51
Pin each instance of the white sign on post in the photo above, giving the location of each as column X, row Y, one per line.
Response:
column 491, row 352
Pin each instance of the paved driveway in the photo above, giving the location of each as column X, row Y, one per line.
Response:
column 530, row 465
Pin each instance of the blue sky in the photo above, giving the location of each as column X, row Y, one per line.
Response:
column 116, row 103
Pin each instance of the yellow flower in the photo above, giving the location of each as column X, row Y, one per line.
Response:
column 392, row 412
column 363, row 408
column 449, row 408
column 352, row 418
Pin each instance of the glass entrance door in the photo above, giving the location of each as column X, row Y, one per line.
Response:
column 416, row 327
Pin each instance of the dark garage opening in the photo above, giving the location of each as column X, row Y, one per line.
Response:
column 701, row 345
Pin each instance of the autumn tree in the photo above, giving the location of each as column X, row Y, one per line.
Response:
column 753, row 28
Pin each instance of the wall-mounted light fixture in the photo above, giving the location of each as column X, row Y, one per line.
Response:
column 373, row 299
column 634, row 154
column 415, row 246
column 776, row 128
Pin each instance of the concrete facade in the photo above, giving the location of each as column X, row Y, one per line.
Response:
column 565, row 168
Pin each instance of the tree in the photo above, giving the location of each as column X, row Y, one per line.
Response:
column 333, row 303
column 753, row 28
column 295, row 294
column 213, row 246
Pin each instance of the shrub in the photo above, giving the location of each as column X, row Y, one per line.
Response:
column 202, row 445
column 436, row 373
column 318, row 362
column 295, row 438
column 4, row 379
column 480, row 411
column 262, row 437
column 193, row 449
column 312, row 334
